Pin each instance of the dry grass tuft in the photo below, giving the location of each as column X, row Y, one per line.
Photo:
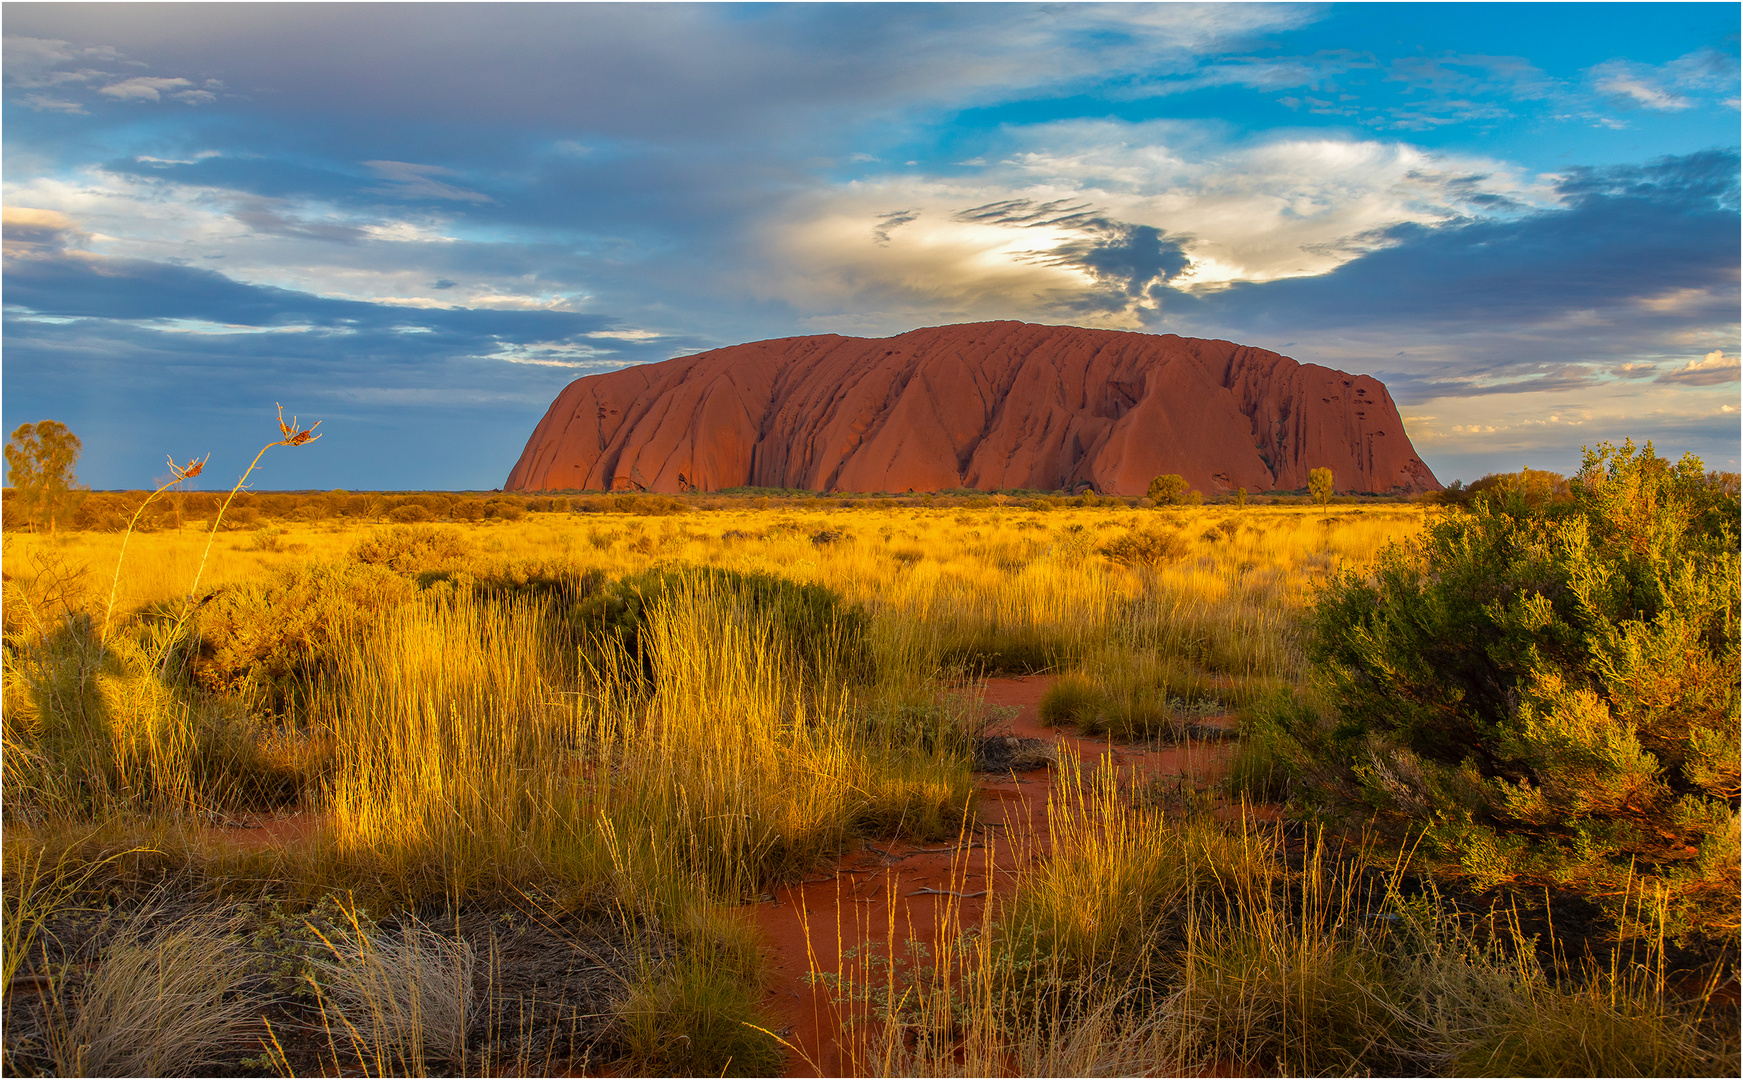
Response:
column 402, row 1001
column 161, row 1001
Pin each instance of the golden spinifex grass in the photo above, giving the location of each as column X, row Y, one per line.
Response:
column 450, row 733
column 1149, row 944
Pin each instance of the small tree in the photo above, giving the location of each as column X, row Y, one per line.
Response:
column 1168, row 490
column 40, row 458
column 1321, row 487
column 1241, row 498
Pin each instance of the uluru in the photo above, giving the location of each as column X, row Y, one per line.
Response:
column 993, row 406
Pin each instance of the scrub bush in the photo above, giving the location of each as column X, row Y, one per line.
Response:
column 1549, row 688
column 824, row 634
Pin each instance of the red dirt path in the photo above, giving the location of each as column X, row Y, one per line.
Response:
column 870, row 901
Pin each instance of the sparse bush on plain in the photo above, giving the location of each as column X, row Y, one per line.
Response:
column 1549, row 688
column 825, row 635
column 637, row 727
column 1145, row 548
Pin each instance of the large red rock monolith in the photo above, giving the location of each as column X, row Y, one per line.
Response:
column 996, row 405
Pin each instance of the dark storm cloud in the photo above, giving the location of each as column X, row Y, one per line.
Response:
column 1135, row 257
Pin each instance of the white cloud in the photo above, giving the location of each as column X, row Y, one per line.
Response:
column 144, row 88
column 1637, row 85
column 1285, row 208
column 410, row 181
column 1678, row 300
column 1713, row 369
column 39, row 62
column 387, row 259
column 44, row 103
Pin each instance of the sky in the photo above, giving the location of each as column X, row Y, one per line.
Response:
column 417, row 222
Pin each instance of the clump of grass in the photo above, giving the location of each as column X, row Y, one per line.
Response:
column 402, row 1002
column 1263, row 764
column 1269, row 991
column 1140, row 548
column 700, row 1012
column 1130, row 694
column 1092, row 913
column 748, row 766
column 1071, row 699
column 161, row 1001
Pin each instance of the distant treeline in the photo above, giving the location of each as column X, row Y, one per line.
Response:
column 110, row 511
column 1538, row 488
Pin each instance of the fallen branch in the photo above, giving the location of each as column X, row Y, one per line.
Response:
column 947, row 892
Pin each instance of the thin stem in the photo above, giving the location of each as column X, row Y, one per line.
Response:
column 188, row 604
column 289, row 435
column 115, row 581
column 216, row 521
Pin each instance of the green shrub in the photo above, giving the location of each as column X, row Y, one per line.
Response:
column 825, row 635
column 1550, row 688
column 504, row 508
column 411, row 549
column 270, row 641
column 700, row 1013
column 1072, row 699
column 1168, row 490
column 1138, row 548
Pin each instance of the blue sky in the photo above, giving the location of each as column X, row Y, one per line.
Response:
column 418, row 222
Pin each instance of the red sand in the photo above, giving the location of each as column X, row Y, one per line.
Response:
column 870, row 900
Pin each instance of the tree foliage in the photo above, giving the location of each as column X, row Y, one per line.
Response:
column 1321, row 486
column 1168, row 490
column 40, row 459
column 1550, row 686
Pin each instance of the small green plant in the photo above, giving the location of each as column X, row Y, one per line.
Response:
column 1072, row 699
column 699, row 1012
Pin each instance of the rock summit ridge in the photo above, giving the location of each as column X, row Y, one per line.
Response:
column 993, row 405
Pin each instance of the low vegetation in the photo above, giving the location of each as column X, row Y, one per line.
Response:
column 464, row 784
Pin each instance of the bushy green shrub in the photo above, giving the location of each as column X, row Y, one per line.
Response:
column 1549, row 687
column 410, row 549
column 268, row 641
column 1168, row 490
column 1140, row 548
column 825, row 635
column 271, row 640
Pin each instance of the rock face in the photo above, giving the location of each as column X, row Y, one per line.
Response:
column 980, row 405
